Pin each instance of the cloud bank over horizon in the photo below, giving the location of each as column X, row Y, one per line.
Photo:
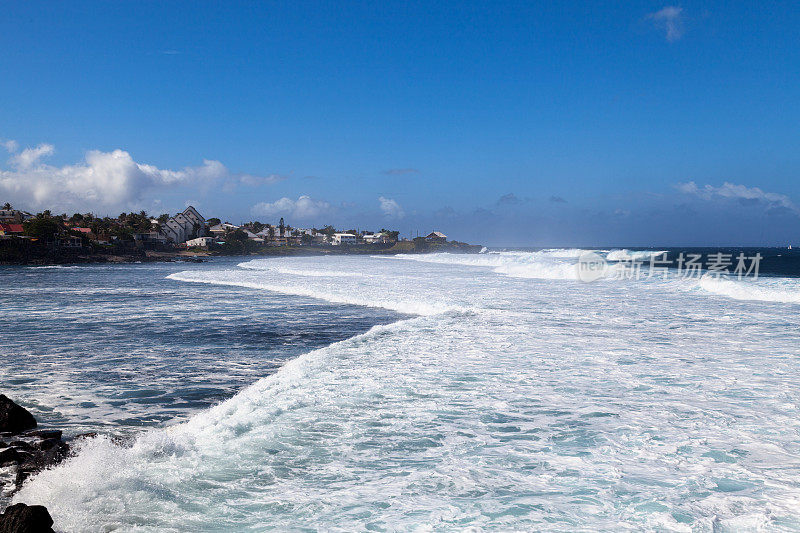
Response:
column 107, row 182
column 104, row 181
column 304, row 208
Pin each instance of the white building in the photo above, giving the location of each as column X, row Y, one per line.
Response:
column 183, row 226
column 222, row 229
column 265, row 233
column 254, row 236
column 436, row 236
column 343, row 238
column 14, row 215
column 200, row 242
column 372, row 238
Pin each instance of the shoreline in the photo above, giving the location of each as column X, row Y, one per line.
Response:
column 59, row 257
column 27, row 449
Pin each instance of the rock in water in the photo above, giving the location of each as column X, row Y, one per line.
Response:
column 21, row 518
column 13, row 418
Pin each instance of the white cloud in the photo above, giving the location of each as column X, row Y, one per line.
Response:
column 103, row 180
column 31, row 156
column 303, row 208
column 10, row 145
column 391, row 208
column 670, row 19
column 741, row 193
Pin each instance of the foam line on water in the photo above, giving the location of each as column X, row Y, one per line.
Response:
column 85, row 492
column 545, row 264
column 314, row 273
column 573, row 394
column 629, row 255
column 778, row 290
column 406, row 307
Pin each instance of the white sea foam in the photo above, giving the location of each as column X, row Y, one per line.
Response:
column 780, row 290
column 629, row 255
column 53, row 267
column 544, row 264
column 317, row 273
column 511, row 403
column 331, row 293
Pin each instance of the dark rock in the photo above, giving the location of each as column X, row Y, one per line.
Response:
column 13, row 418
column 45, row 433
column 22, row 475
column 33, row 457
column 89, row 435
column 10, row 456
column 21, row 445
column 46, row 444
column 40, row 460
column 21, row 518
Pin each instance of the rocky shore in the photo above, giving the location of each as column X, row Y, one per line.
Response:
column 50, row 257
column 24, row 451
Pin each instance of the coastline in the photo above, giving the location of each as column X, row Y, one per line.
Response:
column 405, row 366
column 26, row 450
column 49, row 257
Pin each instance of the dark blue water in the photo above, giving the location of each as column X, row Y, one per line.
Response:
column 117, row 347
column 774, row 261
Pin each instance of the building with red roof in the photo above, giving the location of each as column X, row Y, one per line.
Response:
column 11, row 229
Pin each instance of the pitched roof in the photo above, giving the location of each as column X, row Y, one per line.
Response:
column 11, row 228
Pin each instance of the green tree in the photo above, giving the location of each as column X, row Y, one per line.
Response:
column 237, row 235
column 213, row 221
column 392, row 235
column 42, row 227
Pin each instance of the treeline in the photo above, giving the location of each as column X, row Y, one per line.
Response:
column 47, row 227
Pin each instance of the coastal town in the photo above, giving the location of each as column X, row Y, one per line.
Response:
column 46, row 237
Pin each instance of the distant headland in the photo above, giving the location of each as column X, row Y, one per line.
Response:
column 46, row 238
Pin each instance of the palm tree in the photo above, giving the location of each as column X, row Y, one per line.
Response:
column 7, row 206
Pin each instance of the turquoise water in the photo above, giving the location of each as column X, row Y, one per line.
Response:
column 116, row 348
column 497, row 393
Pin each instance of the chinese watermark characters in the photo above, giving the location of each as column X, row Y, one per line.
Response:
column 592, row 266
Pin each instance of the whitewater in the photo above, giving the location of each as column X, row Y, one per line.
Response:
column 512, row 397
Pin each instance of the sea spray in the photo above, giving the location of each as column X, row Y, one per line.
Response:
column 507, row 403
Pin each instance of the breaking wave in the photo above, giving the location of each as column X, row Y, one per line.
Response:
column 302, row 272
column 328, row 293
column 545, row 264
column 779, row 290
column 503, row 404
column 632, row 255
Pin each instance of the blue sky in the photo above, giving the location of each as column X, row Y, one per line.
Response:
column 506, row 123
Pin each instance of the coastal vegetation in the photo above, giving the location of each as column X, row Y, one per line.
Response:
column 47, row 238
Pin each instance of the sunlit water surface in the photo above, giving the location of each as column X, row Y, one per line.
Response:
column 495, row 392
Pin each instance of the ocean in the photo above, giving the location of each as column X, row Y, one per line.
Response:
column 436, row 392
